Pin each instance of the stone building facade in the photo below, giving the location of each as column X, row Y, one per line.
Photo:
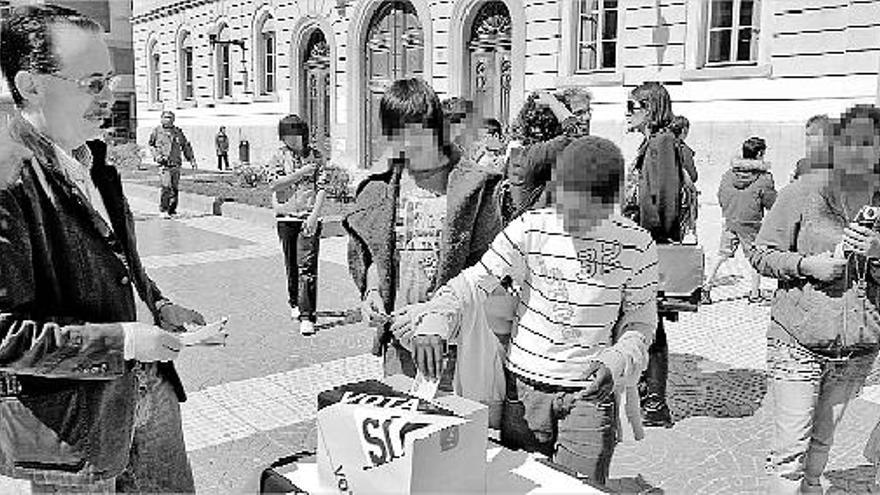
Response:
column 735, row 68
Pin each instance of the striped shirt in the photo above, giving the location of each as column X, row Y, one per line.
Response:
column 584, row 298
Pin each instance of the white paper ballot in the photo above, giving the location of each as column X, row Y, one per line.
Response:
column 211, row 334
column 423, row 388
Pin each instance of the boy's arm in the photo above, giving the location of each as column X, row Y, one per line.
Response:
column 505, row 257
column 628, row 357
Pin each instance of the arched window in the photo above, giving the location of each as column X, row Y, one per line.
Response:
column 222, row 64
column 266, row 55
column 154, row 72
column 185, row 56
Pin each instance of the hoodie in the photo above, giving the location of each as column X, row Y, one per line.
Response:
column 745, row 192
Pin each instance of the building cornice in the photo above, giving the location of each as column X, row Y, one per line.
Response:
column 168, row 10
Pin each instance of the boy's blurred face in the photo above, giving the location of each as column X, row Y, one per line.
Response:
column 294, row 142
column 857, row 149
column 421, row 148
column 581, row 211
column 816, row 144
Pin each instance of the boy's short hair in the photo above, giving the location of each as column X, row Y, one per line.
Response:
column 593, row 165
column 820, row 122
column 753, row 147
column 679, row 124
column 411, row 101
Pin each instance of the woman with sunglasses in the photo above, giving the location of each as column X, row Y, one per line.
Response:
column 654, row 202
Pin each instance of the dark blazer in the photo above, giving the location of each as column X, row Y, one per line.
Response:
column 67, row 280
column 472, row 222
column 660, row 187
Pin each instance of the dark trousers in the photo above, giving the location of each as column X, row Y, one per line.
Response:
column 653, row 381
column 170, row 187
column 221, row 159
column 301, row 262
column 575, row 433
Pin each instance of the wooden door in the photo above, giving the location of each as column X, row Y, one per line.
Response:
column 394, row 50
column 489, row 50
column 317, row 79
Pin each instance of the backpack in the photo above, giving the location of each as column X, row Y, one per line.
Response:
column 689, row 194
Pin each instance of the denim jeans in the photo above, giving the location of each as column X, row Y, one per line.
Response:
column 575, row 433
column 170, row 189
column 158, row 462
column 301, row 262
column 809, row 395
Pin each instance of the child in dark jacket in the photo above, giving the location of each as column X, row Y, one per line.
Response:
column 746, row 192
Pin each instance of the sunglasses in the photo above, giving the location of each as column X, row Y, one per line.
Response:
column 93, row 85
column 632, row 106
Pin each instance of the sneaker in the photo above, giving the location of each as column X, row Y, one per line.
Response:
column 706, row 296
column 655, row 412
column 306, row 328
column 165, row 215
column 294, row 313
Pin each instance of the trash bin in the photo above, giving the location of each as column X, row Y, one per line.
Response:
column 244, row 152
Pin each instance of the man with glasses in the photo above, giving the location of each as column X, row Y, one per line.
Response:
column 168, row 143
column 84, row 406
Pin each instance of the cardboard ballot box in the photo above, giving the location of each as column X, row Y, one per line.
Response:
column 374, row 438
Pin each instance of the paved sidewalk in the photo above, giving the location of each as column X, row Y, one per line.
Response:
column 254, row 400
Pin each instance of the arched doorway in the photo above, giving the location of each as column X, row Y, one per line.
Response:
column 489, row 61
column 394, row 49
column 316, row 77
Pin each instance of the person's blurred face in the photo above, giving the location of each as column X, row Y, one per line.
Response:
column 517, row 174
column 72, row 104
column 421, row 149
column 857, row 149
column 167, row 119
column 636, row 116
column 580, row 108
column 294, row 142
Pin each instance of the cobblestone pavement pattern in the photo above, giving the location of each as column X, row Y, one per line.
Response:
column 253, row 401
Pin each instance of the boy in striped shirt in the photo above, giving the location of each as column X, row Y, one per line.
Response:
column 586, row 315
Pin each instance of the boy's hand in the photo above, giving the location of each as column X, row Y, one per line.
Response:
column 174, row 318
column 428, row 354
column 371, row 308
column 311, row 225
column 823, row 267
column 601, row 382
column 862, row 240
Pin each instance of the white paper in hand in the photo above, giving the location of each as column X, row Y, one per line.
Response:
column 212, row 334
column 423, row 388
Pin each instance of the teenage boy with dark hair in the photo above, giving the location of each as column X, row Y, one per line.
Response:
column 410, row 233
column 584, row 321
column 297, row 180
column 745, row 193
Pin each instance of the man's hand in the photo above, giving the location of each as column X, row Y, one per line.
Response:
column 148, row 343
column 861, row 240
column 372, row 308
column 428, row 354
column 601, row 382
column 823, row 267
column 545, row 98
column 174, row 318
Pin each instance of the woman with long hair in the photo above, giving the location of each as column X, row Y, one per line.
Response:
column 824, row 330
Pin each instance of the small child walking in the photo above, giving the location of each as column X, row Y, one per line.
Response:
column 746, row 192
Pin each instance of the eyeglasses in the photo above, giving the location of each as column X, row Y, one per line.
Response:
column 93, row 85
column 632, row 106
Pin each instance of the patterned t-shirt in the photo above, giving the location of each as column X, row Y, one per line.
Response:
column 577, row 292
column 422, row 214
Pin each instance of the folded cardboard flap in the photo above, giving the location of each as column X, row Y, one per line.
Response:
column 376, row 443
